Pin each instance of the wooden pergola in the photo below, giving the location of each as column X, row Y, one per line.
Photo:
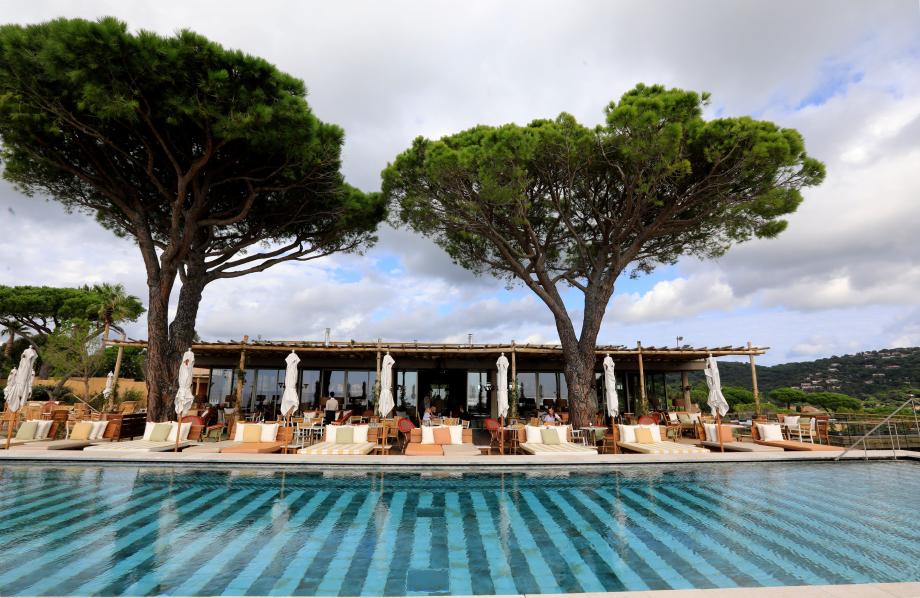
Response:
column 640, row 354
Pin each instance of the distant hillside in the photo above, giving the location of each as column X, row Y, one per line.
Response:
column 870, row 374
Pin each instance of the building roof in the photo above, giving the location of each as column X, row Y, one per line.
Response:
column 365, row 348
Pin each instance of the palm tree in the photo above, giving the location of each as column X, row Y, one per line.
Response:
column 115, row 306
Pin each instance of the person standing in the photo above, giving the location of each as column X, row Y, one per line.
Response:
column 331, row 408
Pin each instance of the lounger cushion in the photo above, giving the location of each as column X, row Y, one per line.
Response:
column 148, row 429
column 269, row 432
column 556, row 449
column 345, row 435
column 81, row 431
column 662, row 448
column 42, row 429
column 211, row 447
column 533, row 434
column 330, row 433
column 795, row 445
column 627, row 433
column 644, row 435
column 562, row 432
column 252, row 434
column 654, row 429
column 253, row 447
column 27, row 430
column 186, row 428
column 741, row 447
column 416, row 449
column 770, row 432
column 427, row 434
column 549, row 436
column 684, row 418
column 330, row 448
column 98, row 430
column 139, row 446
column 442, row 436
column 456, row 434
column 360, row 434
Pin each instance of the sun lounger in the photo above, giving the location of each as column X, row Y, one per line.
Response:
column 265, row 438
column 211, row 447
column 437, row 441
column 741, row 447
column 137, row 446
column 788, row 445
column 355, row 440
column 531, row 440
column 648, row 442
column 58, row 445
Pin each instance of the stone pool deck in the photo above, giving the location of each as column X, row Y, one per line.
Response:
column 480, row 461
column 868, row 590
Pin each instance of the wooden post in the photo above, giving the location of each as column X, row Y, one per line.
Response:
column 377, row 387
column 513, row 395
column 685, row 387
column 239, row 380
column 643, row 400
column 754, row 380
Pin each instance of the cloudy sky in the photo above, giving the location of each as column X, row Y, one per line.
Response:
column 844, row 277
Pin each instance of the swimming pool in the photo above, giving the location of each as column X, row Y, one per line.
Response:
column 113, row 530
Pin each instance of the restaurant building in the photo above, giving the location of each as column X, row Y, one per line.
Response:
column 447, row 376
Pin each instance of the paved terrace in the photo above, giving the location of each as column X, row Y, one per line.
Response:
column 403, row 461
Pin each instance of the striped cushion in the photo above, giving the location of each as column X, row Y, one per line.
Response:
column 145, row 446
column 663, row 448
column 332, row 448
column 567, row 448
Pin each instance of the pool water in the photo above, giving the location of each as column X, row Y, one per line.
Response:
column 140, row 531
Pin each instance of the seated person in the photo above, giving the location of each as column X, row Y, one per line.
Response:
column 426, row 417
column 551, row 416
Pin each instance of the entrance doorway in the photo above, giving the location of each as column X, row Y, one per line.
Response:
column 445, row 390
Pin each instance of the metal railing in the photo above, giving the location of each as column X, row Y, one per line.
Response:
column 891, row 425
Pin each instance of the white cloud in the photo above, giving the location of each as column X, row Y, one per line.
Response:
column 675, row 299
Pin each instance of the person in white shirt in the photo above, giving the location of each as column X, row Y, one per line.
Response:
column 551, row 416
column 332, row 407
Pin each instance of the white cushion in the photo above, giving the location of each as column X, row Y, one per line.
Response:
column 44, row 426
column 428, row 434
column 770, row 432
column 269, row 432
column 694, row 417
column 710, row 432
column 533, row 435
column 148, row 428
column 672, row 417
column 792, row 420
column 563, row 433
column 627, row 433
column 98, row 430
column 330, row 433
column 456, row 434
column 360, row 434
column 186, row 427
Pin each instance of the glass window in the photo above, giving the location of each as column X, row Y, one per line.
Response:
column 406, row 392
column 477, row 393
column 221, row 390
column 247, row 400
column 563, row 387
column 546, row 388
column 360, row 388
column 309, row 389
column 334, row 382
column 527, row 390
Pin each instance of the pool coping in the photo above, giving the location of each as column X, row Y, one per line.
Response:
column 865, row 590
column 404, row 462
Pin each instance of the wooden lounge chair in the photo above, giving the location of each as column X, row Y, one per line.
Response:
column 791, row 445
column 260, row 446
column 415, row 448
column 655, row 447
column 146, row 444
column 334, row 445
column 565, row 446
column 729, row 444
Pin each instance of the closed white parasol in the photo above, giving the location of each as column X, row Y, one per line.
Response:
column 184, row 396
column 290, row 400
column 502, row 382
column 386, row 403
column 717, row 403
column 22, row 384
column 610, row 388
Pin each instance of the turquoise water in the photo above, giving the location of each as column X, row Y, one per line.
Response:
column 142, row 531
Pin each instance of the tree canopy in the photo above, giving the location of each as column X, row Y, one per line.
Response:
column 41, row 309
column 556, row 203
column 209, row 158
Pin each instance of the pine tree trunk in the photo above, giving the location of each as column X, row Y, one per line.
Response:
column 156, row 362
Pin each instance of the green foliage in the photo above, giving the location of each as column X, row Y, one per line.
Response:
column 834, row 401
column 139, row 129
column 41, row 309
column 74, row 349
column 787, row 396
column 132, row 363
column 656, row 182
